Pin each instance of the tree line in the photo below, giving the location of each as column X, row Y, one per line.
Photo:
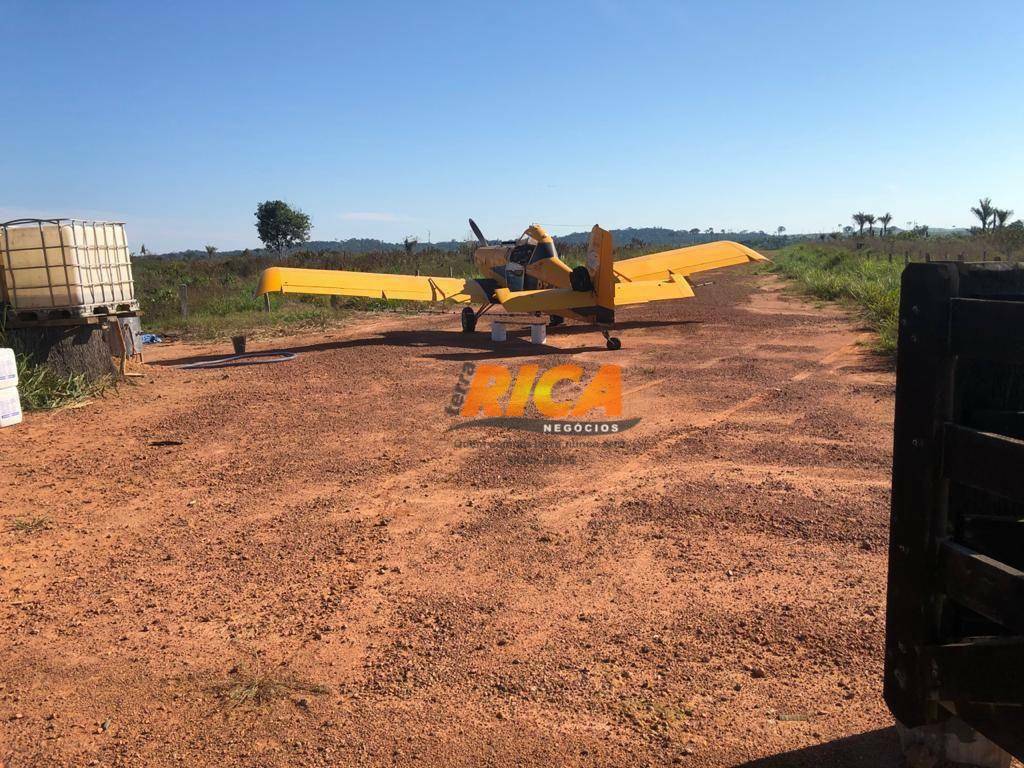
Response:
column 869, row 220
column 989, row 215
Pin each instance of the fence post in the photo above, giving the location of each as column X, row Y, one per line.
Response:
column 266, row 303
column 183, row 299
column 924, row 401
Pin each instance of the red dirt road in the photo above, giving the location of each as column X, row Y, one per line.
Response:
column 298, row 564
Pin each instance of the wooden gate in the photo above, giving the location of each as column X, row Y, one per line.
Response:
column 955, row 621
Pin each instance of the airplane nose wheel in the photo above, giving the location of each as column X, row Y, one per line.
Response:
column 612, row 342
column 468, row 320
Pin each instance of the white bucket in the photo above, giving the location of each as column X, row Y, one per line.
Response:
column 498, row 332
column 8, row 369
column 538, row 333
column 10, row 407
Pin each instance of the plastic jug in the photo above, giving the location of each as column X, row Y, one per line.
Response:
column 10, row 407
column 8, row 368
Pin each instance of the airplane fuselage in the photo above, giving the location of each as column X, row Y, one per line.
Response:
column 527, row 264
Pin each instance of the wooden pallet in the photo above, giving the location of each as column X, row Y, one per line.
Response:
column 70, row 315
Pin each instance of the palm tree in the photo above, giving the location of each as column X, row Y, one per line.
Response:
column 780, row 230
column 870, row 219
column 983, row 211
column 860, row 219
column 999, row 217
column 210, row 250
column 884, row 220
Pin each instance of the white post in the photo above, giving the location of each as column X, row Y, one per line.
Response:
column 498, row 332
column 538, row 333
column 952, row 741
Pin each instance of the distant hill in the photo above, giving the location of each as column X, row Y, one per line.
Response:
column 658, row 236
column 671, row 238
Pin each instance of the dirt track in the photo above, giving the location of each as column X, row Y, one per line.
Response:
column 706, row 589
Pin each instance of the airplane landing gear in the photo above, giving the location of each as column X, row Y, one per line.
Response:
column 612, row 342
column 468, row 320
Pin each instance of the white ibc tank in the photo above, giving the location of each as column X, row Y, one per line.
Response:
column 66, row 263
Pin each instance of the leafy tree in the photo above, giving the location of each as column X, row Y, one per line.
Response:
column 280, row 226
column 884, row 220
column 695, row 231
column 983, row 211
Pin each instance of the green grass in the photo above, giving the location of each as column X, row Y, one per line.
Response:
column 41, row 389
column 220, row 291
column 865, row 279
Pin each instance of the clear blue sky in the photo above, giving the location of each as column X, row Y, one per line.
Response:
column 382, row 119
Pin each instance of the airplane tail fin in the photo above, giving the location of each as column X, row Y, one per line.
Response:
column 599, row 263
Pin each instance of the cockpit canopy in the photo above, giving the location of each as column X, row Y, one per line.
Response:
column 534, row 244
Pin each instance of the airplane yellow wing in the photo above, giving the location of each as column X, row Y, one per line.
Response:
column 685, row 261
column 337, row 282
column 544, row 300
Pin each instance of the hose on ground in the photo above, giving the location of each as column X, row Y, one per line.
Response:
column 248, row 358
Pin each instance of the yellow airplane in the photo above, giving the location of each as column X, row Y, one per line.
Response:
column 526, row 275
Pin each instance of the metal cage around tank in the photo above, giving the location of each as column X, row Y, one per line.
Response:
column 63, row 268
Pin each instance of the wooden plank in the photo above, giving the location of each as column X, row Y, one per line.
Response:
column 992, row 330
column 983, row 670
column 992, row 281
column 1009, row 423
column 983, row 460
column 924, row 401
column 986, row 586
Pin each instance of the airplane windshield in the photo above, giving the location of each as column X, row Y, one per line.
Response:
column 523, row 251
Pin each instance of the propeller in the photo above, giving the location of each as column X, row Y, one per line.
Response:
column 477, row 232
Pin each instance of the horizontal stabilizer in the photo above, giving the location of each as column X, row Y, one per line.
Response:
column 544, row 300
column 642, row 291
column 685, row 261
column 336, row 282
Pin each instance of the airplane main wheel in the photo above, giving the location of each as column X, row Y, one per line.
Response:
column 614, row 343
column 555, row 320
column 468, row 320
